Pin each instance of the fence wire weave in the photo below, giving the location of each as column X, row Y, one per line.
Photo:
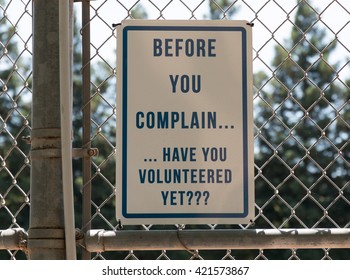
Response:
column 301, row 53
column 15, row 83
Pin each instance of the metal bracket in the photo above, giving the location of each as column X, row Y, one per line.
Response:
column 76, row 152
column 83, row 153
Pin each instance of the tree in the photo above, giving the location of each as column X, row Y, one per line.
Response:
column 301, row 132
column 101, row 104
column 221, row 9
column 103, row 133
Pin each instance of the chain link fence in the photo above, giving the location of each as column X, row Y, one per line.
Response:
column 301, row 53
column 15, row 96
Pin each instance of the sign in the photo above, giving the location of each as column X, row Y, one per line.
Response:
column 184, row 122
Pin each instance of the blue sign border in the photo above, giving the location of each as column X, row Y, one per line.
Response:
column 125, row 33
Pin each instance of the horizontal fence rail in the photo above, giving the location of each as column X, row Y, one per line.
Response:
column 102, row 240
column 99, row 240
column 13, row 239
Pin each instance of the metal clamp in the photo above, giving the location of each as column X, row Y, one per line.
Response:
column 83, row 153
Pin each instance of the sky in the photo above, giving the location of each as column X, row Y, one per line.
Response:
column 272, row 22
column 267, row 16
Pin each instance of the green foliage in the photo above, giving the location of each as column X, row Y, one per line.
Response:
column 221, row 9
column 139, row 12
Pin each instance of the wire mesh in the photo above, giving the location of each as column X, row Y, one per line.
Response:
column 15, row 95
column 301, row 113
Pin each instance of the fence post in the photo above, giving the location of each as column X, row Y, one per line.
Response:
column 46, row 238
column 86, row 72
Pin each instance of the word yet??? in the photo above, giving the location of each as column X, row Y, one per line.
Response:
column 173, row 198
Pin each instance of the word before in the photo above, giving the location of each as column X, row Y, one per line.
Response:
column 188, row 47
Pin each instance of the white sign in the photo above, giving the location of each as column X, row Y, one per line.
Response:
column 184, row 122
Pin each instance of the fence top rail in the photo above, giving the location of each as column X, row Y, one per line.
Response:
column 13, row 239
column 99, row 240
column 124, row 240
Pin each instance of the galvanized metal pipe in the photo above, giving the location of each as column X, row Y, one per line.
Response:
column 86, row 73
column 66, row 90
column 101, row 240
column 13, row 239
column 46, row 229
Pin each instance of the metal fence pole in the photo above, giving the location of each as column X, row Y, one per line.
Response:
column 86, row 71
column 46, row 231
